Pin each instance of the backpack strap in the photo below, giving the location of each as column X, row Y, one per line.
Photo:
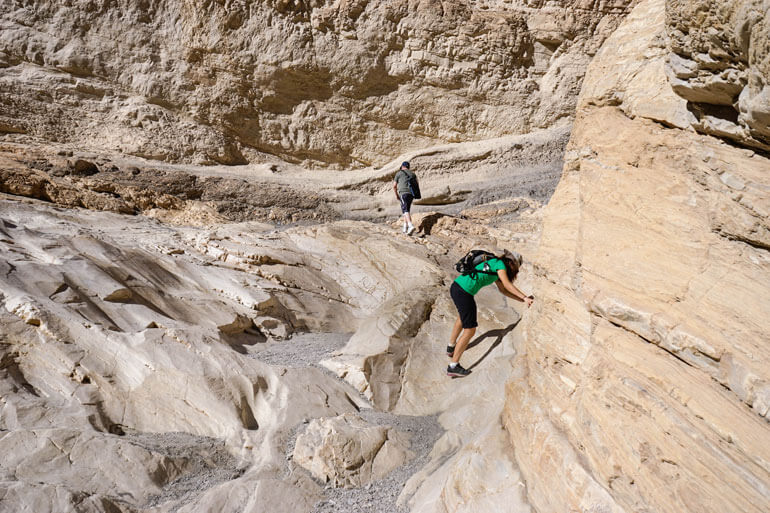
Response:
column 485, row 270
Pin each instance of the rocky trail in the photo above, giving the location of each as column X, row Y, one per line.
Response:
column 211, row 463
column 454, row 178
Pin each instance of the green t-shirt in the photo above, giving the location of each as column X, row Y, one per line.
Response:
column 473, row 285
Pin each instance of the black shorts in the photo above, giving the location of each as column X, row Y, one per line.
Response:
column 406, row 202
column 466, row 305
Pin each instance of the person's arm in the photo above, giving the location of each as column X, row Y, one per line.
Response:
column 510, row 290
column 395, row 190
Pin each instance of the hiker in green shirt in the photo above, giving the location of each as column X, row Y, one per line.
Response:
column 498, row 270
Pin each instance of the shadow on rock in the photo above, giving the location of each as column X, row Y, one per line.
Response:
column 499, row 334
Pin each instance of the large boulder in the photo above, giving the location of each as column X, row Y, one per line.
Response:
column 347, row 451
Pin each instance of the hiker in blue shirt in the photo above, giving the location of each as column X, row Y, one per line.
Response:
column 498, row 270
column 404, row 194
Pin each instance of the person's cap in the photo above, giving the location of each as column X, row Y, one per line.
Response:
column 405, row 164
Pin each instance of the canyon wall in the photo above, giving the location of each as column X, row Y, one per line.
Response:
column 346, row 83
column 719, row 61
column 646, row 364
column 167, row 367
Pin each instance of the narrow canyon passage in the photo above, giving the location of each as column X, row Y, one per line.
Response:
column 211, row 299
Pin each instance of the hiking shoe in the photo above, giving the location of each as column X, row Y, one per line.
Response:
column 450, row 351
column 457, row 371
column 410, row 230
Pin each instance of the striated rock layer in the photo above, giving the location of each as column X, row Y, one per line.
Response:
column 323, row 82
column 646, row 376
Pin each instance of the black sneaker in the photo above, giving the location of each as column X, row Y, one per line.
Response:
column 450, row 351
column 457, row 371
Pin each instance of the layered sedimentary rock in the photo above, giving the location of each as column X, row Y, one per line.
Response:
column 322, row 82
column 645, row 383
column 515, row 173
column 101, row 181
column 133, row 374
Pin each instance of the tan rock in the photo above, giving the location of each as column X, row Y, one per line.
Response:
column 719, row 62
column 480, row 476
column 86, row 461
column 346, row 451
column 339, row 84
column 103, row 340
column 374, row 358
column 649, row 307
column 638, row 381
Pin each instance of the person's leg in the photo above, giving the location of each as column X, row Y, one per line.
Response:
column 466, row 307
column 405, row 212
column 406, row 207
column 462, row 343
column 456, row 329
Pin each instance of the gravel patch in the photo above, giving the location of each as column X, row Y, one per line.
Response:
column 206, row 461
column 301, row 350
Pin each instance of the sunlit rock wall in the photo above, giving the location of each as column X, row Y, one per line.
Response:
column 321, row 82
column 647, row 381
column 720, row 64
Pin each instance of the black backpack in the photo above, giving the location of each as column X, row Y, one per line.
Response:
column 414, row 187
column 467, row 264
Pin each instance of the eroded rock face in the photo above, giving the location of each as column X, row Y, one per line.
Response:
column 720, row 63
column 645, row 378
column 120, row 334
column 98, row 465
column 347, row 451
column 326, row 82
column 638, row 381
column 173, row 194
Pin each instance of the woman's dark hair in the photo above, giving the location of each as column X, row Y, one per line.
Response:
column 511, row 268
